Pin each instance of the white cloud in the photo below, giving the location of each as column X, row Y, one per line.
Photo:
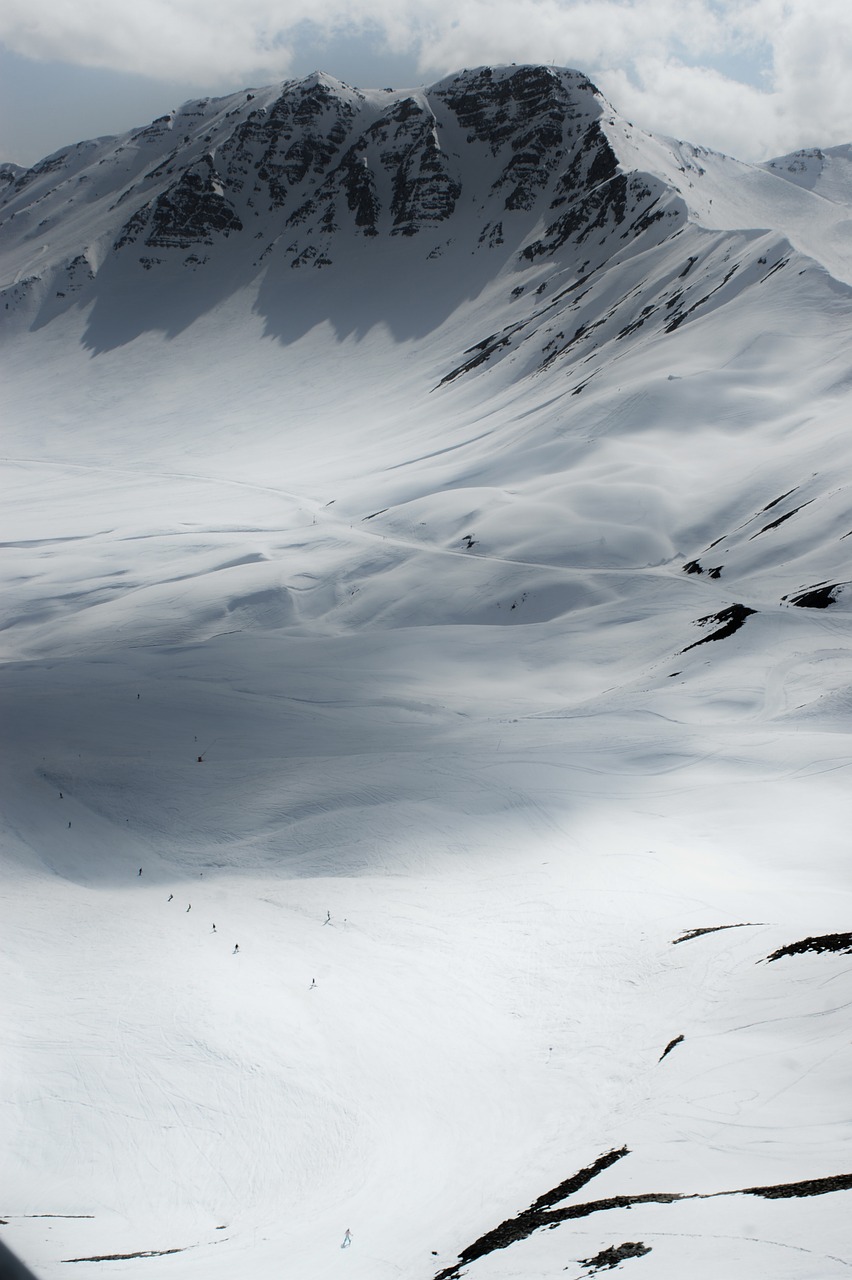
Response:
column 665, row 63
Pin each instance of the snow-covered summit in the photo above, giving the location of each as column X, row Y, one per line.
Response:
column 524, row 165
column 827, row 172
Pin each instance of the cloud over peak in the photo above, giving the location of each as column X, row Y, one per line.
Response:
column 754, row 78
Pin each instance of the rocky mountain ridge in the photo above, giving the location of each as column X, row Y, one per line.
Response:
column 506, row 217
column 531, row 161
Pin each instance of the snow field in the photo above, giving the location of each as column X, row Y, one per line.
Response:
column 460, row 766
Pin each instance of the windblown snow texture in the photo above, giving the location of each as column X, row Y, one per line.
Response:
column 425, row 551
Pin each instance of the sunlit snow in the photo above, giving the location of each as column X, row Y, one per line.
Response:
column 360, row 768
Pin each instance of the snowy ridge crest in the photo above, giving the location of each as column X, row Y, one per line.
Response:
column 301, row 173
column 523, row 173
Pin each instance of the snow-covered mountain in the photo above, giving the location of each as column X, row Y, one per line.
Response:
column 426, row 560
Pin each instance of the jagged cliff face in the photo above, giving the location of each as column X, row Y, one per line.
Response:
column 520, row 185
column 516, row 156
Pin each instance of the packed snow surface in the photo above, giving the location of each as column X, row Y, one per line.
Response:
column 427, row 679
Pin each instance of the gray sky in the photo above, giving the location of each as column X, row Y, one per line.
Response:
column 755, row 78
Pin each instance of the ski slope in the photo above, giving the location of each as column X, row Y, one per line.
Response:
column 399, row 670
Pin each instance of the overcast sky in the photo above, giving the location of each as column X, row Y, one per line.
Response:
column 755, row 78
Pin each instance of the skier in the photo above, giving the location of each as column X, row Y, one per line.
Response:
column 347, row 1239
column 61, row 797
column 171, row 895
column 189, row 908
column 236, row 949
column 327, row 919
column 313, row 984
column 140, row 871
column 214, row 928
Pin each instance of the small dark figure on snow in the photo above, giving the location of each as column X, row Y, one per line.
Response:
column 313, row 984
column 214, row 928
column 347, row 1239
column 61, row 797
column 189, row 908
column 140, row 871
column 171, row 895
column 236, row 949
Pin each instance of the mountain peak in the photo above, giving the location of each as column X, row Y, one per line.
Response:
column 526, row 164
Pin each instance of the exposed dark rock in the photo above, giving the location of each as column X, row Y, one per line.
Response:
column 713, row 928
column 300, row 134
column 789, row 1190
column 518, row 1228
column 775, row 523
column 361, row 195
column 133, row 227
column 492, row 234
column 671, row 1044
column 495, row 108
column 121, row 1257
column 423, row 190
column 51, row 165
column 782, row 262
column 483, row 351
column 532, row 1219
column 189, row 213
column 818, row 597
column 594, row 163
column 636, row 324
column 775, row 501
column 841, row 942
column 731, row 619
column 680, row 316
column 11, row 173
column 615, row 1254
column 581, row 1179
column 606, row 205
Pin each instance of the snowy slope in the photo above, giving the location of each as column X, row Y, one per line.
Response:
column 463, row 476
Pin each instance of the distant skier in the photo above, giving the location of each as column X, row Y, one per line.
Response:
column 214, row 928
column 327, row 919
column 189, row 908
column 347, row 1239
column 140, row 871
column 61, row 796
column 171, row 895
column 236, row 950
column 313, row 984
